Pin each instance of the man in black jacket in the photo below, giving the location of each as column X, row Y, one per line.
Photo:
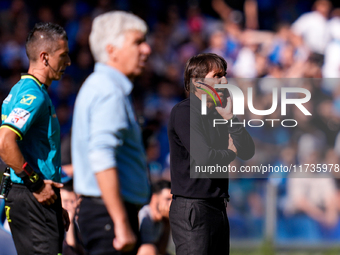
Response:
column 198, row 216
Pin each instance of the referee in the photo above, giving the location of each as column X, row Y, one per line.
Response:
column 30, row 146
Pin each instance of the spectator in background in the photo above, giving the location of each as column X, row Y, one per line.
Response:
column 13, row 52
column 331, row 68
column 311, row 194
column 315, row 197
column 45, row 14
column 107, row 151
column 218, row 45
column 17, row 13
column 152, row 150
column 313, row 26
column 154, row 218
column 245, row 65
column 68, row 13
column 66, row 161
column 69, row 201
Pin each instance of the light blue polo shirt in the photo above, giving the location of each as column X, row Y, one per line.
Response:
column 105, row 134
column 28, row 111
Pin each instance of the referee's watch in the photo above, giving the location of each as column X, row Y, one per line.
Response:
column 30, row 178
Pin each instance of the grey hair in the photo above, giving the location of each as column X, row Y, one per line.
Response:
column 110, row 28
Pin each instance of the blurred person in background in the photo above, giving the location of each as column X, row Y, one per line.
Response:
column 30, row 145
column 218, row 45
column 312, row 194
column 16, row 13
column 313, row 26
column 245, row 65
column 152, row 151
column 331, row 68
column 69, row 201
column 107, row 152
column 154, row 218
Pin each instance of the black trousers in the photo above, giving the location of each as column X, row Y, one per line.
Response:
column 199, row 226
column 96, row 226
column 36, row 228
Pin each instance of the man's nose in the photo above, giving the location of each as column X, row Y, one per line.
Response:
column 145, row 48
column 224, row 80
column 68, row 62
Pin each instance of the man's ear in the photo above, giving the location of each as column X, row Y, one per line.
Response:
column 43, row 58
column 111, row 51
column 194, row 82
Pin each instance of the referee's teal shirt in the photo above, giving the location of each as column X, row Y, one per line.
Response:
column 105, row 134
column 28, row 111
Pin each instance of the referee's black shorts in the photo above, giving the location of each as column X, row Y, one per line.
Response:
column 36, row 228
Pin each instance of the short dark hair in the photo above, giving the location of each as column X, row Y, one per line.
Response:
column 44, row 35
column 200, row 65
column 160, row 185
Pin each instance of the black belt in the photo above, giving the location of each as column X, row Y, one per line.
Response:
column 96, row 200
column 100, row 201
column 213, row 200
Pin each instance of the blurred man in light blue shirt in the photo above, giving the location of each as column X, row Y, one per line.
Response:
column 107, row 152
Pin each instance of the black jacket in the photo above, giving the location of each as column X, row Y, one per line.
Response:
column 195, row 142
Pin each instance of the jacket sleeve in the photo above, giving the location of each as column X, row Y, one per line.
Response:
column 242, row 141
column 193, row 136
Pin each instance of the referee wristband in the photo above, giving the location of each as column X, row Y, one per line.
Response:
column 30, row 178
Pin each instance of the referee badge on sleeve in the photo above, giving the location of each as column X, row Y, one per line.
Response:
column 18, row 117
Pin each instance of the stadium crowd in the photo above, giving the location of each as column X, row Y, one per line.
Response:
column 262, row 42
